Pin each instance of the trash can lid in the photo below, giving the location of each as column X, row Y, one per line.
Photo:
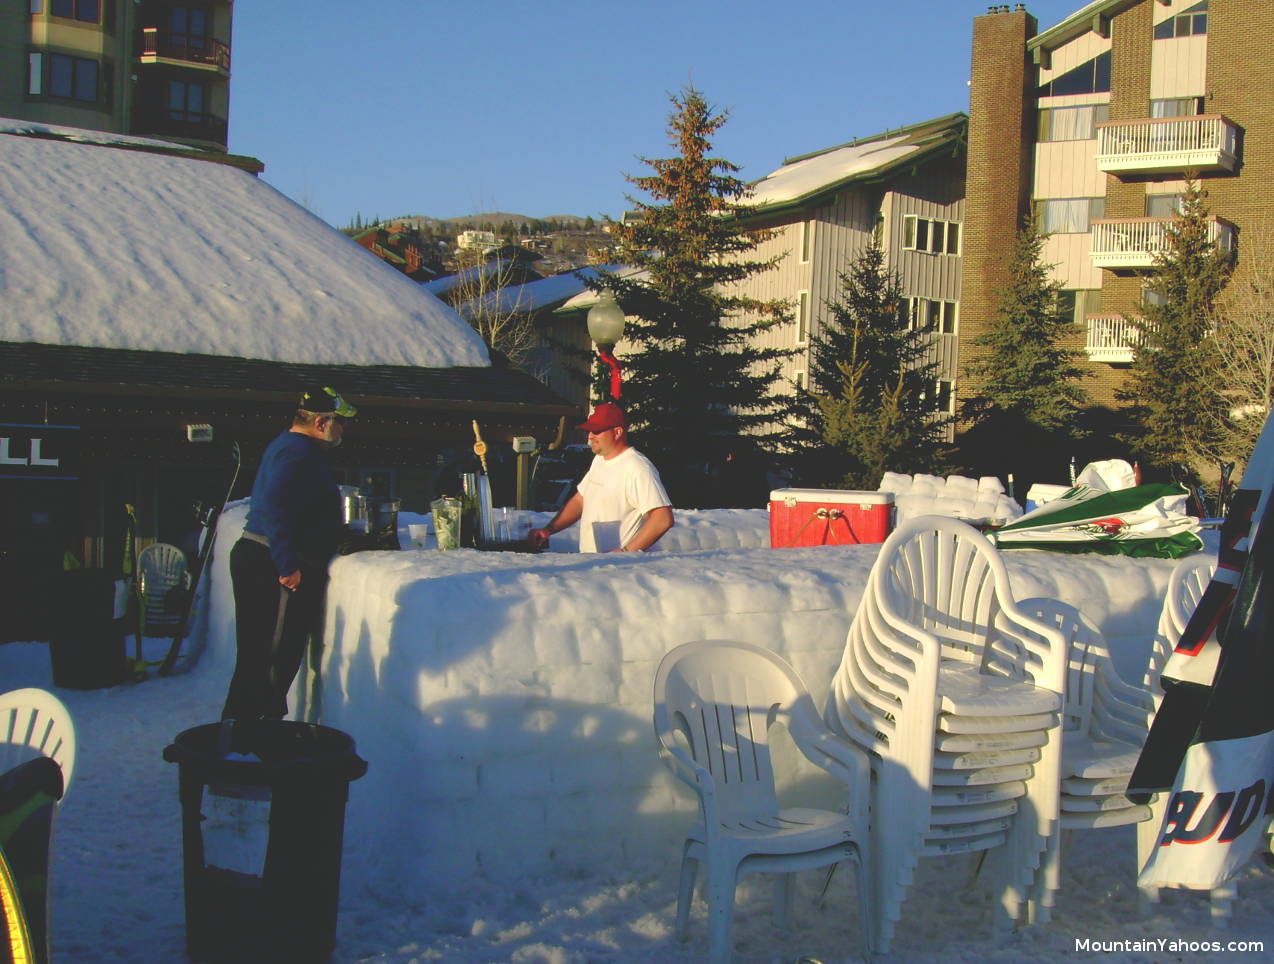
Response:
column 267, row 752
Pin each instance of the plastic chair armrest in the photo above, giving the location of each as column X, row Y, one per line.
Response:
column 684, row 768
column 850, row 765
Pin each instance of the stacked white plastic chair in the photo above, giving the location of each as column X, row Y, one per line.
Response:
column 1103, row 729
column 34, row 722
column 161, row 568
column 954, row 692
column 715, row 701
column 1189, row 579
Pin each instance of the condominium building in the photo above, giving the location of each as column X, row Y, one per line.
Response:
column 1095, row 124
column 154, row 68
column 822, row 210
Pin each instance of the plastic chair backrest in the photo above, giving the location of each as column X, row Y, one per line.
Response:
column 34, row 722
column 1097, row 700
column 1189, row 579
column 947, row 579
column 1085, row 646
column 716, row 701
column 161, row 566
column 1185, row 588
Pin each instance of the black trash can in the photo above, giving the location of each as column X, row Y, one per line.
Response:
column 86, row 642
column 263, row 817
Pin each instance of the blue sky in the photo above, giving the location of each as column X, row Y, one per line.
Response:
column 445, row 109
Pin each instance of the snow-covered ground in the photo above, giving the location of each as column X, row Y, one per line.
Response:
column 117, row 892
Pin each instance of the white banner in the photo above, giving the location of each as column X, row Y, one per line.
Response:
column 1217, row 815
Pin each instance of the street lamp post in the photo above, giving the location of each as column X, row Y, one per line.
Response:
column 605, row 328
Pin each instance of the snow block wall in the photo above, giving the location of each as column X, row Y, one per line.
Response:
column 503, row 701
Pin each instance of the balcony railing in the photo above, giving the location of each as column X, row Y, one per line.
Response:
column 190, row 127
column 1111, row 338
column 192, row 49
column 1134, row 242
column 1207, row 142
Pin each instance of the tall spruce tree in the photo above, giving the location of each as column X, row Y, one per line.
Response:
column 1026, row 371
column 872, row 384
column 697, row 386
column 1180, row 410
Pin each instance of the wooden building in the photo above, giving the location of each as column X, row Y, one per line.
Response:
column 155, row 309
column 823, row 208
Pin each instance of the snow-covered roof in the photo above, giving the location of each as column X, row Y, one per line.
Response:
column 588, row 297
column 487, row 269
column 535, row 295
column 801, row 178
column 126, row 247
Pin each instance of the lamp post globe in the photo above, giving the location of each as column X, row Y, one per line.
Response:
column 605, row 321
column 605, row 328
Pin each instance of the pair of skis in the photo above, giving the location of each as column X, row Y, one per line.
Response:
column 209, row 523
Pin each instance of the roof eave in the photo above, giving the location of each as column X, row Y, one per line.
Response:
column 1093, row 17
column 874, row 176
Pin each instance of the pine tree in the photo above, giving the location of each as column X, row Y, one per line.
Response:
column 873, row 404
column 696, row 384
column 1180, row 412
column 1027, row 372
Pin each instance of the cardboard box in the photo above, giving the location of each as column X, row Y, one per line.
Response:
column 829, row 517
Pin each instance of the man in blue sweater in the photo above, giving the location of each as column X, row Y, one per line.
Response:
column 279, row 566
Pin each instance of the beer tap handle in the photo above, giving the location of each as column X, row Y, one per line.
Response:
column 479, row 446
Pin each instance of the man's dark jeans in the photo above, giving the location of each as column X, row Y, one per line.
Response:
column 273, row 626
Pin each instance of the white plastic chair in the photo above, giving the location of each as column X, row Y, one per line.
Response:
column 34, row 722
column 1103, row 729
column 161, row 567
column 938, row 650
column 715, row 701
column 1190, row 577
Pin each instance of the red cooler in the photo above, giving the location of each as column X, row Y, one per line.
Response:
column 829, row 517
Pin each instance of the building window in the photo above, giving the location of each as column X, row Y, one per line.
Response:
column 1188, row 23
column 1163, row 205
column 1079, row 303
column 800, row 380
column 36, row 6
column 802, row 317
column 187, row 102
column 88, row 11
column 60, row 75
column 1089, row 78
column 928, row 314
column 1176, row 107
column 807, row 240
column 931, row 235
column 189, row 24
column 189, row 20
column 1072, row 123
column 944, row 395
column 35, row 73
column 1068, row 215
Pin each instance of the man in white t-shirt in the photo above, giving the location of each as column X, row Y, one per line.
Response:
column 621, row 504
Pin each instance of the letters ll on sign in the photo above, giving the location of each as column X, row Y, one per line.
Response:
column 39, row 451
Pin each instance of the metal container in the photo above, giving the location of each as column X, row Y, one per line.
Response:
column 486, row 518
column 382, row 514
column 353, row 508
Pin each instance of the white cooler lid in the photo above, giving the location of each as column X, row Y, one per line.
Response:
column 1042, row 492
column 835, row 496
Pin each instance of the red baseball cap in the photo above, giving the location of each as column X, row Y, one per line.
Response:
column 606, row 415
